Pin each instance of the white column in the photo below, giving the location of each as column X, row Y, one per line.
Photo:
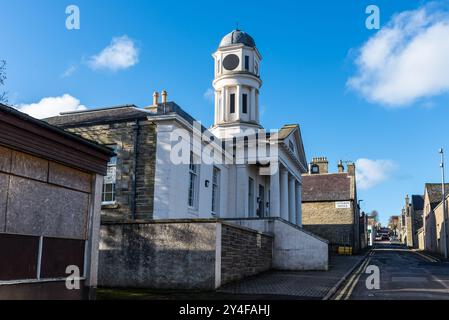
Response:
column 252, row 109
column 284, row 194
column 257, row 108
column 292, row 199
column 238, row 102
column 275, row 195
column 217, row 108
column 298, row 203
column 223, row 105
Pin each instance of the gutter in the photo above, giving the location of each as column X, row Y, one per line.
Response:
column 136, row 131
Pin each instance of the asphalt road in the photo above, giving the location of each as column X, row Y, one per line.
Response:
column 404, row 275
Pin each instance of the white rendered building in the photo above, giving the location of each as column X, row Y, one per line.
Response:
column 230, row 190
column 170, row 167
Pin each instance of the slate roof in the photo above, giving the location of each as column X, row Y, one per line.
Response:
column 117, row 114
column 326, row 187
column 237, row 36
column 96, row 116
column 418, row 202
column 434, row 191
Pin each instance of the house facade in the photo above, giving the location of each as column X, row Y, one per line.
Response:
column 169, row 168
column 330, row 206
column 412, row 220
column 433, row 229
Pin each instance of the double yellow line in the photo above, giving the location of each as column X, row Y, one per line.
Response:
column 346, row 292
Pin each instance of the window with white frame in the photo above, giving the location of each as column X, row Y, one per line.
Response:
column 193, row 183
column 216, row 191
column 109, row 192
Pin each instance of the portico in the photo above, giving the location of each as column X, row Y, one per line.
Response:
column 285, row 196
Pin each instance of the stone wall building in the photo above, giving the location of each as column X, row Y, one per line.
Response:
column 330, row 207
column 412, row 220
column 129, row 186
column 433, row 217
column 50, row 196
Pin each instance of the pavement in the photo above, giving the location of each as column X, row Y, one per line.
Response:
column 309, row 285
column 403, row 275
column 271, row 285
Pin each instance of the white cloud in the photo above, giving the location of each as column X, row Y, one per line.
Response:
column 121, row 54
column 52, row 106
column 69, row 72
column 407, row 59
column 373, row 172
column 209, row 95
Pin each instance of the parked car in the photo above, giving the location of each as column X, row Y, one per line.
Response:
column 385, row 237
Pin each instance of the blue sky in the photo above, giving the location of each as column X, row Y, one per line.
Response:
column 310, row 51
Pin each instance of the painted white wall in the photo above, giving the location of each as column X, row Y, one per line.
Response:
column 172, row 182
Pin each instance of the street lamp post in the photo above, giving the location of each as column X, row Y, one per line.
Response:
column 446, row 238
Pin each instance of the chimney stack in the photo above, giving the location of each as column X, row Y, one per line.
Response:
column 155, row 98
column 322, row 163
column 351, row 169
column 164, row 96
column 341, row 168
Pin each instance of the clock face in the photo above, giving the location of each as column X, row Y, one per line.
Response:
column 231, row 62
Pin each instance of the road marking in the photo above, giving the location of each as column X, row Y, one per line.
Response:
column 353, row 280
column 409, row 279
column 425, row 256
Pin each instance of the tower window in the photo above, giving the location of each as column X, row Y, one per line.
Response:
column 232, row 103
column 247, row 63
column 245, row 103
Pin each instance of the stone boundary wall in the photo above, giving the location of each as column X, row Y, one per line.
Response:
column 244, row 253
column 198, row 254
column 294, row 249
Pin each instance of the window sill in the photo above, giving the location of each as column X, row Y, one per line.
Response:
column 109, row 205
column 193, row 211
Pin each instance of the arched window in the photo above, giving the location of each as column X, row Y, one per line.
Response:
column 315, row 169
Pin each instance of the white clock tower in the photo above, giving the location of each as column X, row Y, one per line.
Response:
column 237, row 83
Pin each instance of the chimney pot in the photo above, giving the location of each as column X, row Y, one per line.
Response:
column 341, row 168
column 164, row 96
column 155, row 98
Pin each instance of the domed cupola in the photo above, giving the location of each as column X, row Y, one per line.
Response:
column 237, row 37
column 237, row 83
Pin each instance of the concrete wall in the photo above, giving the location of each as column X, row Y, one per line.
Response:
column 179, row 254
column 294, row 248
